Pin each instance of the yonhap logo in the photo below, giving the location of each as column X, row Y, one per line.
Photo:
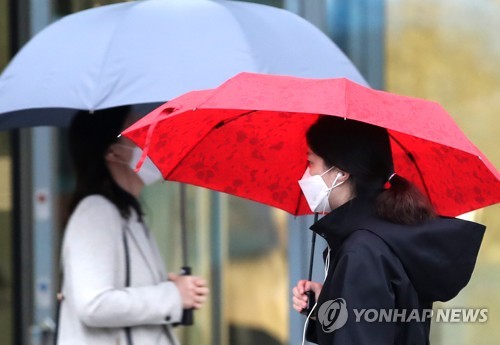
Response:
column 332, row 315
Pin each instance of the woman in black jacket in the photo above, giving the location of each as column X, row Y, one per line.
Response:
column 389, row 256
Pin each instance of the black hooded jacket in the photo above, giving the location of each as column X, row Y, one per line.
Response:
column 380, row 266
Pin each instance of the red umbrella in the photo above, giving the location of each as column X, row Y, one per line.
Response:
column 247, row 138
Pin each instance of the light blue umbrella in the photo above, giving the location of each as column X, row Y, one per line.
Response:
column 150, row 51
column 143, row 53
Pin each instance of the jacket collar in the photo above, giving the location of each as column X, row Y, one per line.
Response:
column 341, row 222
column 438, row 255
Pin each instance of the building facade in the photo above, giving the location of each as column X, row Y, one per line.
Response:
column 444, row 50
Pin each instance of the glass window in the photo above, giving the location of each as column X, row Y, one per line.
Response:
column 257, row 274
column 4, row 33
column 448, row 51
column 64, row 7
column 6, row 277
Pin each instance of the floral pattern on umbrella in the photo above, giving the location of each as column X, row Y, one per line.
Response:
column 247, row 138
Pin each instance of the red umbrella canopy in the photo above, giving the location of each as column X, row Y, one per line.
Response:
column 247, row 138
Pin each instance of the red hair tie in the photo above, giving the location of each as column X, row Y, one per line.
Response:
column 388, row 185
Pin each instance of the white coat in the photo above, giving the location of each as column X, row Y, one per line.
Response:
column 97, row 305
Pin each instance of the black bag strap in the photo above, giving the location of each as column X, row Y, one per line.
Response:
column 59, row 299
column 128, row 330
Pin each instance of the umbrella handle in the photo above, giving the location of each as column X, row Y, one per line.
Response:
column 311, row 301
column 187, row 314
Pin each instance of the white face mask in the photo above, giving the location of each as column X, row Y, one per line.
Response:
column 316, row 190
column 148, row 172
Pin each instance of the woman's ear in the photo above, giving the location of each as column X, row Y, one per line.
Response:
column 342, row 176
column 110, row 155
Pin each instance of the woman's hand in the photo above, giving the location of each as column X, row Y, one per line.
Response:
column 299, row 297
column 193, row 290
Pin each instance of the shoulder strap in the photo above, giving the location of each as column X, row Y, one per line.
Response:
column 128, row 330
column 127, row 257
column 59, row 299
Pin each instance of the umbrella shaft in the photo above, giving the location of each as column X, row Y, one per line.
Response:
column 411, row 157
column 183, row 225
column 313, row 245
column 311, row 259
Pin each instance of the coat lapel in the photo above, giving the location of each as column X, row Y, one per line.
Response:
column 147, row 250
column 158, row 258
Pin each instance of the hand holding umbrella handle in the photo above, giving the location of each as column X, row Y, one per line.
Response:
column 187, row 314
column 311, row 300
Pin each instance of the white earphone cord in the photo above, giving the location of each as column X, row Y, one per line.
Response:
column 327, row 267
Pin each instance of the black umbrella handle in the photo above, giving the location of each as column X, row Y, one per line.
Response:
column 311, row 301
column 187, row 314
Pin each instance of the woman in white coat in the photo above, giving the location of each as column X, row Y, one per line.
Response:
column 115, row 287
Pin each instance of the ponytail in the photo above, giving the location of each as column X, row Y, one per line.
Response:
column 403, row 203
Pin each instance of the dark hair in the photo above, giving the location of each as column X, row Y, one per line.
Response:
column 364, row 151
column 90, row 136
